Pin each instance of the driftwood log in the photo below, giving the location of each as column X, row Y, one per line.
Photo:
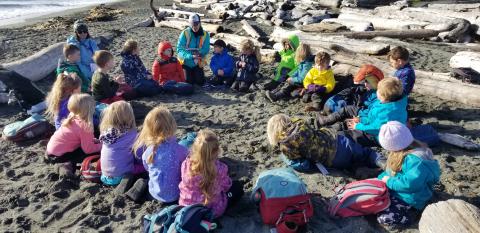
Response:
column 38, row 65
column 456, row 7
column 179, row 12
column 325, row 27
column 182, row 24
column 451, row 216
column 466, row 59
column 398, row 34
column 235, row 40
column 204, row 20
column 250, row 30
column 315, row 41
column 353, row 25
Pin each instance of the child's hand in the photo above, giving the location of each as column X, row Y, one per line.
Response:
column 290, row 80
column 351, row 124
column 242, row 64
column 220, row 72
column 385, row 179
column 96, row 141
column 196, row 60
column 119, row 79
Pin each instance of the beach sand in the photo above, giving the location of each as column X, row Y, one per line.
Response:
column 34, row 198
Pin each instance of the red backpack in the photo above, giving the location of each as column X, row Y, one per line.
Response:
column 359, row 198
column 91, row 169
column 283, row 199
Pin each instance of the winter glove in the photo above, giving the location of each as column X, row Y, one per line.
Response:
column 313, row 88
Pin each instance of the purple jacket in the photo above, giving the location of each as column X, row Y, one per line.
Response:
column 62, row 113
column 117, row 158
column 406, row 74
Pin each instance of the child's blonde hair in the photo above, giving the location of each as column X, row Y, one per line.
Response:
column 205, row 151
column 118, row 115
column 248, row 45
column 102, row 57
column 159, row 125
column 322, row 58
column 81, row 106
column 129, row 46
column 303, row 52
column 63, row 87
column 390, row 89
column 395, row 158
column 276, row 125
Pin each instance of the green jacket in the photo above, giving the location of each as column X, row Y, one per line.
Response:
column 73, row 68
column 288, row 58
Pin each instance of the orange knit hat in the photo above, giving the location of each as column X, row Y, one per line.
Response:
column 368, row 70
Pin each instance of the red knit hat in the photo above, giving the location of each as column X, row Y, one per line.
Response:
column 162, row 46
column 368, row 70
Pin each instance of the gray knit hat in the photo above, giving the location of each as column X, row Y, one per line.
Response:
column 80, row 25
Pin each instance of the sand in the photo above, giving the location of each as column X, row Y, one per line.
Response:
column 34, row 198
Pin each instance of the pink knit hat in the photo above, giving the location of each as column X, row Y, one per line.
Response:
column 395, row 136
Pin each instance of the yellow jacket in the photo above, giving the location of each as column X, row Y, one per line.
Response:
column 322, row 78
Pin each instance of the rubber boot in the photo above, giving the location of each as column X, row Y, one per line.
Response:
column 327, row 120
column 137, row 191
column 125, row 184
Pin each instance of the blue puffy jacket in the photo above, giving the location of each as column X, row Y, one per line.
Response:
column 185, row 53
column 302, row 69
column 87, row 49
column 223, row 61
column 378, row 113
column 414, row 183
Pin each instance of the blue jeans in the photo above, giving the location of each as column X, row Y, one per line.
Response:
column 178, row 88
column 147, row 87
column 349, row 153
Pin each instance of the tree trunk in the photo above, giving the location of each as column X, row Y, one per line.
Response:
column 250, row 30
column 466, row 59
column 450, row 216
column 38, row 65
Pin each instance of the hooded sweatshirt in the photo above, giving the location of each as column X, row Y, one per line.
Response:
column 116, row 155
column 74, row 68
column 318, row 77
column 222, row 61
column 298, row 75
column 184, row 45
column 133, row 69
column 167, row 68
column 288, row 57
column 413, row 184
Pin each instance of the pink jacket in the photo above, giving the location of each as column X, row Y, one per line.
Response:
column 69, row 138
column 190, row 192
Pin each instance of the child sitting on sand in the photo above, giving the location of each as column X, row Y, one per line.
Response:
column 118, row 133
column 74, row 140
column 135, row 73
column 359, row 96
column 222, row 65
column 105, row 89
column 298, row 141
column 72, row 57
column 319, row 80
column 287, row 62
column 57, row 99
column 363, row 125
column 205, row 179
column 163, row 155
column 410, row 174
column 399, row 59
column 168, row 71
column 304, row 58
column 247, row 66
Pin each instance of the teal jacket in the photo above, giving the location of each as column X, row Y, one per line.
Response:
column 378, row 113
column 414, row 183
column 185, row 53
column 302, row 69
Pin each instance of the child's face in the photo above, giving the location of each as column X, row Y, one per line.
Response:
column 286, row 46
column 136, row 51
column 168, row 52
column 110, row 64
column 247, row 51
column 396, row 63
column 75, row 57
column 323, row 65
column 218, row 49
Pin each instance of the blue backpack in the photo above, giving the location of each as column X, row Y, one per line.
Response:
column 300, row 165
column 335, row 103
column 35, row 126
column 178, row 219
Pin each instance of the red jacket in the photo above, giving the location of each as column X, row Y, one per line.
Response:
column 167, row 68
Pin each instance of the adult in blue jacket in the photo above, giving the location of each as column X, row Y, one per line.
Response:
column 222, row 65
column 192, row 48
column 87, row 46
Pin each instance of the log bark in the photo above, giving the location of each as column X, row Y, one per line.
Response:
column 235, row 40
column 250, row 30
column 181, row 24
column 326, row 27
column 450, row 216
column 179, row 12
column 466, row 59
column 353, row 25
column 315, row 41
column 38, row 65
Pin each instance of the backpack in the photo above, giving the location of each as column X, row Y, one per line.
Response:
column 283, row 199
column 334, row 104
column 178, row 219
column 359, row 198
column 91, row 169
column 32, row 127
column 300, row 165
column 161, row 221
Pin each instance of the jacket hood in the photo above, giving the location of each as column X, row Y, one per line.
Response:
column 426, row 155
column 294, row 41
column 162, row 46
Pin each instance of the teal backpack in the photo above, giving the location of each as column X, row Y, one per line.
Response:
column 32, row 127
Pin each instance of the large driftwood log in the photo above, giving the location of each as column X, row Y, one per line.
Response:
column 249, row 29
column 329, row 3
column 466, row 59
column 353, row 25
column 38, row 65
column 381, row 22
column 450, row 216
column 181, row 24
column 399, row 34
column 315, row 41
column 204, row 20
column 325, row 27
column 179, row 12
column 235, row 40
column 456, row 7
